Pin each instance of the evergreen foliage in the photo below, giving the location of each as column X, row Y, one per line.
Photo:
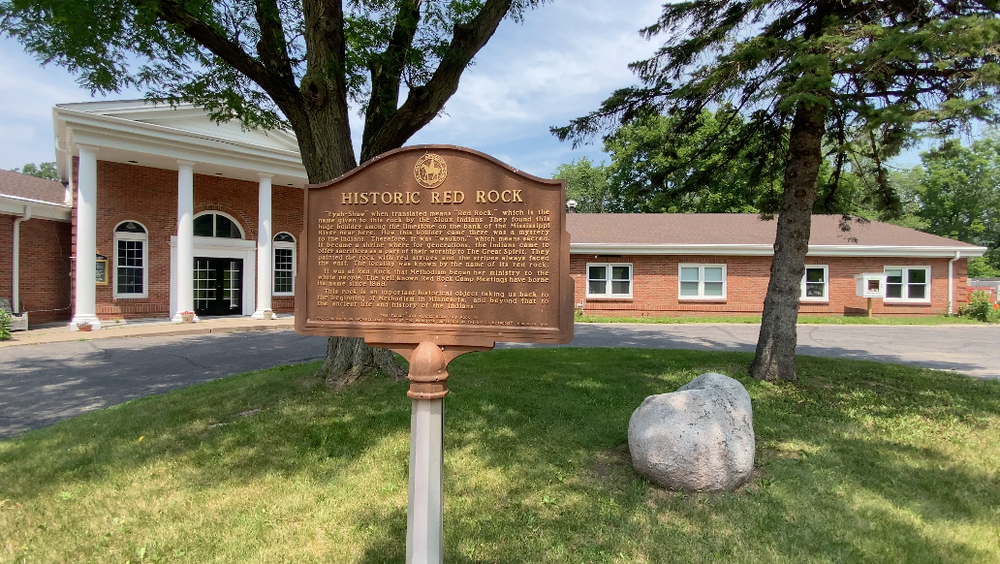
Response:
column 842, row 79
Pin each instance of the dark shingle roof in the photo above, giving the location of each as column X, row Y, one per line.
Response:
column 736, row 229
column 29, row 187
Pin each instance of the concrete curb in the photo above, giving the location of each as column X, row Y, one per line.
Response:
column 61, row 334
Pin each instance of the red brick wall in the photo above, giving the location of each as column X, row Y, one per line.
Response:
column 44, row 268
column 655, row 286
column 149, row 196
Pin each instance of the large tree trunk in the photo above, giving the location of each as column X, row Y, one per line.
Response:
column 349, row 358
column 318, row 112
column 775, row 359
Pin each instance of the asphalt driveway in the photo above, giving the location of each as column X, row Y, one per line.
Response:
column 45, row 383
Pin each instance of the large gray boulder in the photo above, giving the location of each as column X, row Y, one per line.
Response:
column 699, row 438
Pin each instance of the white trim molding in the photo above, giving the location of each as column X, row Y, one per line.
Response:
column 768, row 250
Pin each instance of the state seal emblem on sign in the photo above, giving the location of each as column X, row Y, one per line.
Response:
column 430, row 170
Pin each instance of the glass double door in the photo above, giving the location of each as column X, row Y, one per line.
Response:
column 218, row 286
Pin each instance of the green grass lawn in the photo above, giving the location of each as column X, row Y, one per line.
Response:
column 802, row 319
column 859, row 462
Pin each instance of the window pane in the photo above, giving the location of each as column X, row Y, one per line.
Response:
column 689, row 288
column 815, row 275
column 894, row 290
column 203, row 225
column 283, row 282
column 894, row 276
column 713, row 289
column 689, row 274
column 597, row 273
column 620, row 288
column 130, row 227
column 916, row 291
column 916, row 276
column 597, row 287
column 283, row 238
column 128, row 275
column 226, row 228
column 814, row 290
column 283, row 270
column 620, row 273
column 713, row 274
column 283, row 259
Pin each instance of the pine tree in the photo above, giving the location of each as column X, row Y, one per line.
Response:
column 815, row 79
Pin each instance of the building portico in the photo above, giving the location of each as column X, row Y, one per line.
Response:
column 173, row 213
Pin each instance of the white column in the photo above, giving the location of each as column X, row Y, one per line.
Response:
column 264, row 236
column 184, row 276
column 424, row 518
column 85, row 302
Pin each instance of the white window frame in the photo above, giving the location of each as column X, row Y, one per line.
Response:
column 608, row 280
column 275, row 245
column 906, row 285
column 124, row 236
column 701, row 282
column 826, row 284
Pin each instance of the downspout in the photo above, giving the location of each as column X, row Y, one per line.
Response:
column 951, row 281
column 16, row 282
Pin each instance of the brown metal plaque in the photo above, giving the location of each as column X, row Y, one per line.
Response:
column 436, row 243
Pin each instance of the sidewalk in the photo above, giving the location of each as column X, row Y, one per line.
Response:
column 55, row 333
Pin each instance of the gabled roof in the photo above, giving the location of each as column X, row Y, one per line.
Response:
column 46, row 198
column 747, row 234
column 158, row 135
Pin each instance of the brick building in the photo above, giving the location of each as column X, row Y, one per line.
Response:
column 173, row 213
column 162, row 211
column 34, row 247
column 689, row 264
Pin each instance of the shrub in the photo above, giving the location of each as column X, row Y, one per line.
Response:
column 981, row 308
column 6, row 320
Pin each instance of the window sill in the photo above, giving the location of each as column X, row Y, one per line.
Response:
column 609, row 298
column 816, row 301
column 131, row 297
column 282, row 295
column 700, row 299
column 906, row 302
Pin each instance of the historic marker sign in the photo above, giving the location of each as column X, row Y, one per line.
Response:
column 439, row 244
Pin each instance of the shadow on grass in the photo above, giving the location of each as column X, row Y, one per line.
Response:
column 859, row 462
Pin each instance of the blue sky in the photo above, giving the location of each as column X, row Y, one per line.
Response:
column 560, row 63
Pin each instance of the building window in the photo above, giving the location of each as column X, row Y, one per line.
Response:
column 816, row 283
column 609, row 280
column 702, row 282
column 283, row 265
column 213, row 224
column 130, row 260
column 908, row 283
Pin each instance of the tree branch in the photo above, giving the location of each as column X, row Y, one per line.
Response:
column 282, row 92
column 273, row 46
column 387, row 71
column 424, row 103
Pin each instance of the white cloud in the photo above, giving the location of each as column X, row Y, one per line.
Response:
column 559, row 64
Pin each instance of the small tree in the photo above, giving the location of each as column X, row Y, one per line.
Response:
column 278, row 64
column 587, row 184
column 44, row 170
column 829, row 77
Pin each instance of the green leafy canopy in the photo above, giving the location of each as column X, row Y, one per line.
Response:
column 229, row 56
column 885, row 73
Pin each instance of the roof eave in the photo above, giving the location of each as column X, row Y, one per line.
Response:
column 14, row 205
column 767, row 250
